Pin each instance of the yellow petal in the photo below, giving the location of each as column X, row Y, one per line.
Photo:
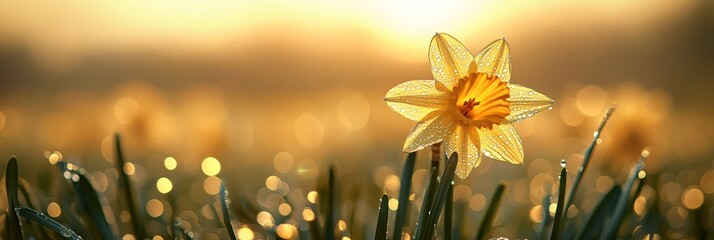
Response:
column 495, row 59
column 502, row 143
column 526, row 102
column 432, row 129
column 449, row 59
column 415, row 99
column 464, row 141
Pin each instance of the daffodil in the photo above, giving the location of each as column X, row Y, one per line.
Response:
column 469, row 106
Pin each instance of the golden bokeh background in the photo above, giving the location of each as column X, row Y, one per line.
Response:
column 274, row 91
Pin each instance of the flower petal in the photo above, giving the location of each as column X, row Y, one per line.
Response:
column 432, row 129
column 495, row 59
column 465, row 141
column 502, row 143
column 415, row 99
column 526, row 102
column 449, row 59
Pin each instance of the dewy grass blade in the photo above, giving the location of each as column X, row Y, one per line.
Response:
column 50, row 223
column 13, row 222
column 490, row 212
column 88, row 198
column 381, row 232
column 588, row 155
column 224, row 208
column 137, row 220
column 555, row 233
column 602, row 212
column 23, row 187
column 445, row 183
column 426, row 205
column 611, row 230
column 404, row 189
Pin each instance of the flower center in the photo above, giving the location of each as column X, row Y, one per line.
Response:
column 482, row 99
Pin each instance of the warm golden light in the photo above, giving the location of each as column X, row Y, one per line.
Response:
column 342, row 225
column 286, row 231
column 211, row 166
column 353, row 111
column 309, row 131
column 170, row 163
column 693, row 198
column 129, row 168
column 283, row 162
column 125, row 216
column 393, row 204
column 284, row 209
column 308, row 214
column 477, row 202
column 591, row 100
column 126, row 110
column 54, row 210
column 128, row 237
column 536, row 214
column 312, row 196
column 272, row 182
column 154, row 208
column 265, row 219
column 245, row 233
column 164, row 185
column 55, row 157
column 212, row 185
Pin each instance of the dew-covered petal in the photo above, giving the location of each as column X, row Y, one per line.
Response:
column 465, row 141
column 415, row 99
column 526, row 102
column 433, row 129
column 495, row 59
column 502, row 143
column 449, row 59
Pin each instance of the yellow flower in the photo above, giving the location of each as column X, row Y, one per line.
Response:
column 470, row 105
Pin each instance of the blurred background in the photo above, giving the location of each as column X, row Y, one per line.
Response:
column 281, row 89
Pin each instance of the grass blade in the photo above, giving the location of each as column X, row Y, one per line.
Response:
column 381, row 232
column 588, row 155
column 330, row 205
column 491, row 212
column 426, row 205
column 449, row 213
column 546, row 218
column 555, row 233
column 446, row 182
column 224, row 208
column 602, row 212
column 459, row 207
column 137, row 220
column 623, row 203
column 88, row 198
column 405, row 187
column 23, row 187
column 11, row 178
column 50, row 223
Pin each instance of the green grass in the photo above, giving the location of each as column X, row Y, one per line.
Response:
column 92, row 218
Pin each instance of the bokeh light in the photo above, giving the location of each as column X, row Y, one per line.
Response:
column 164, row 185
column 211, row 166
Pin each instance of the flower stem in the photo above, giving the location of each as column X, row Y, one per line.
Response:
column 435, row 155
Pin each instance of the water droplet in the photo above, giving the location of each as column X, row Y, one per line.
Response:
column 562, row 163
